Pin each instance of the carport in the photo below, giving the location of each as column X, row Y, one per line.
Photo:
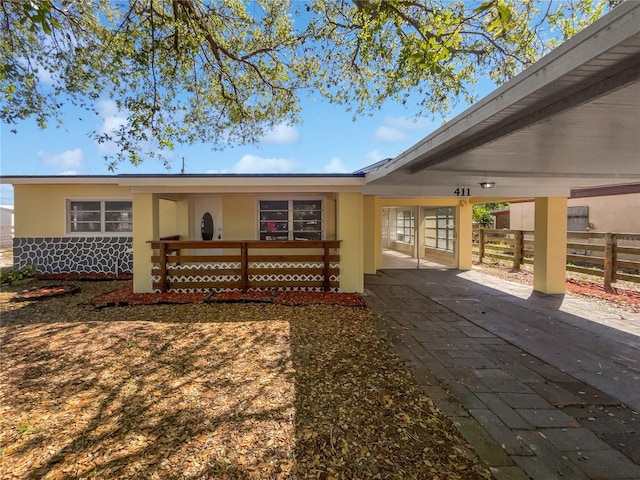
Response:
column 570, row 121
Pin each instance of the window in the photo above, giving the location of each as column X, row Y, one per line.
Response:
column 99, row 216
column 405, row 226
column 290, row 220
column 578, row 219
column 439, row 228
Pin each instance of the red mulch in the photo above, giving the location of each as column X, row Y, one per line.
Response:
column 626, row 298
column 46, row 291
column 125, row 296
column 591, row 289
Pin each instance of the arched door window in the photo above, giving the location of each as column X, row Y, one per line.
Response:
column 206, row 226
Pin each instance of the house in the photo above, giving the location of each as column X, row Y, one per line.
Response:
column 544, row 133
column 6, row 225
column 502, row 219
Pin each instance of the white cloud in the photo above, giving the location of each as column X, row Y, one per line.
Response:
column 112, row 119
column 373, row 157
column 69, row 172
column 390, row 135
column 44, row 75
column 335, row 165
column 404, row 123
column 257, row 164
column 281, row 135
column 395, row 129
column 67, row 160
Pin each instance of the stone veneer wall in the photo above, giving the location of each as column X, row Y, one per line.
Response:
column 74, row 254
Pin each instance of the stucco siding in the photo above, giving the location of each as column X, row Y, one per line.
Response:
column 168, row 218
column 40, row 209
column 239, row 213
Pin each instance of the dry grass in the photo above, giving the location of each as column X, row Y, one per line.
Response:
column 212, row 391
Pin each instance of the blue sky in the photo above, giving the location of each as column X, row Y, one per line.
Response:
column 328, row 141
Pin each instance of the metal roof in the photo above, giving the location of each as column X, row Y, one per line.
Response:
column 570, row 120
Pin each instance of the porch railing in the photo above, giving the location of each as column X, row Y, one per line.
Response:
column 184, row 265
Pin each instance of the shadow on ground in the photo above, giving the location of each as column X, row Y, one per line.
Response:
column 212, row 391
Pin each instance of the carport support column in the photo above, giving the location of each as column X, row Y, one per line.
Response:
column 550, row 245
column 146, row 226
column 350, row 220
column 465, row 235
column 372, row 234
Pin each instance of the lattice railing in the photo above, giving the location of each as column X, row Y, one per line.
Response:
column 184, row 266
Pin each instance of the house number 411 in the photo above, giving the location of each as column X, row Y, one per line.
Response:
column 462, row 192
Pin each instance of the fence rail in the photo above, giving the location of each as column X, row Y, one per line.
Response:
column 181, row 265
column 612, row 256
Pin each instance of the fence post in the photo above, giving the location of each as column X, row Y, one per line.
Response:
column 609, row 262
column 244, row 267
column 614, row 257
column 325, row 270
column 164, row 284
column 518, row 249
column 480, row 244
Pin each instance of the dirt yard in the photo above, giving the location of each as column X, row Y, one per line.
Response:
column 224, row 391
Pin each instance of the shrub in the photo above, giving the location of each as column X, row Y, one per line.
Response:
column 10, row 275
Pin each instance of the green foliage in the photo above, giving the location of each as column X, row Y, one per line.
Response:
column 481, row 212
column 10, row 275
column 225, row 72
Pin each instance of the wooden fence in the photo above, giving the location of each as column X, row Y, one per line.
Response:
column 612, row 256
column 245, row 265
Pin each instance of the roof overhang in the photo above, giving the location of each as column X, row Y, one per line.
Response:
column 205, row 183
column 571, row 120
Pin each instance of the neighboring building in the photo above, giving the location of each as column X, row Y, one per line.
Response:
column 6, row 225
column 502, row 219
column 599, row 209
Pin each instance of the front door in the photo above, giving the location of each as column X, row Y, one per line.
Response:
column 206, row 220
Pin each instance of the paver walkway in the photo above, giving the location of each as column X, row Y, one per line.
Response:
column 544, row 387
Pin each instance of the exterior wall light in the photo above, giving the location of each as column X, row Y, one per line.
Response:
column 487, row 184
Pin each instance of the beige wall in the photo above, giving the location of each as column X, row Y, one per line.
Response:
column 610, row 213
column 168, row 218
column 40, row 210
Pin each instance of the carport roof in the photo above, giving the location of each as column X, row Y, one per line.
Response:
column 571, row 120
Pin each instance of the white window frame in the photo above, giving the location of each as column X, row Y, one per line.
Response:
column 450, row 231
column 102, row 232
column 411, row 228
column 290, row 200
